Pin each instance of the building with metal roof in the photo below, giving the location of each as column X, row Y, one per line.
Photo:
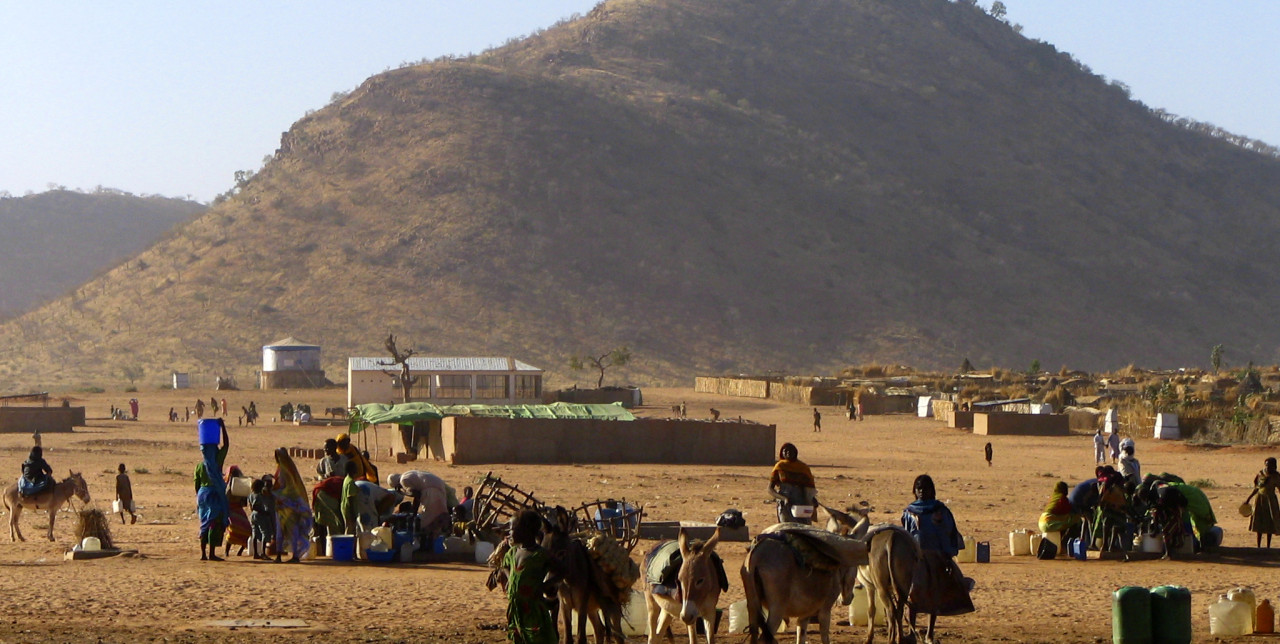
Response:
column 445, row 381
column 291, row 363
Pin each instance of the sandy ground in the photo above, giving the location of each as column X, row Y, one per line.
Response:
column 166, row 594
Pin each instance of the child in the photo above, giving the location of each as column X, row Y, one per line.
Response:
column 530, row 580
column 263, row 518
column 124, row 495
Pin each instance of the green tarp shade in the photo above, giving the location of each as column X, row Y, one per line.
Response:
column 407, row 413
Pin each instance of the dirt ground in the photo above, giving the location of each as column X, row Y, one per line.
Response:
column 166, row 593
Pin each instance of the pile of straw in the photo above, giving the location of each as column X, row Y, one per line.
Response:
column 93, row 523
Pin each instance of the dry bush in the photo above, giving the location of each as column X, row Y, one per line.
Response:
column 873, row 371
column 93, row 523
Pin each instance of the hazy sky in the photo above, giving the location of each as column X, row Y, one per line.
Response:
column 172, row 98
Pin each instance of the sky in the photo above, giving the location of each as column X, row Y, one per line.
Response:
column 172, row 98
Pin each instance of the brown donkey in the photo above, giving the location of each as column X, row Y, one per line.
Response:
column 700, row 581
column 51, row 499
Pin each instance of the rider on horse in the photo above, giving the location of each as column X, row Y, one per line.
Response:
column 36, row 474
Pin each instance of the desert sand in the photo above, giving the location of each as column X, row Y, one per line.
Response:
column 165, row 593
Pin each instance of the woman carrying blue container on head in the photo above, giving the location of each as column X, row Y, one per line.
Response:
column 211, row 490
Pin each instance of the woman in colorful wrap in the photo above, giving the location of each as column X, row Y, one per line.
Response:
column 1265, row 518
column 530, row 582
column 239, row 530
column 939, row 588
column 1199, row 512
column 1057, row 515
column 365, row 471
column 326, row 504
column 293, row 512
column 791, row 483
column 211, row 496
column 351, row 499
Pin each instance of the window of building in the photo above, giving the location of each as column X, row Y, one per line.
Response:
column 453, row 386
column 528, row 387
column 491, row 387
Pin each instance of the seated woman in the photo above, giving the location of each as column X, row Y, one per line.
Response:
column 792, row 482
column 1058, row 515
column 37, row 476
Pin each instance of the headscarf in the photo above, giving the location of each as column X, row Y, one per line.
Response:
column 1058, row 503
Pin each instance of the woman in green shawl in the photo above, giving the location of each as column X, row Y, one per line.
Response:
column 530, row 581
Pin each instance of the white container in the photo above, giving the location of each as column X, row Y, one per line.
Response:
column 362, row 545
column 924, row 406
column 91, row 544
column 383, row 535
column 861, row 605
column 1055, row 537
column 739, row 622
column 406, row 551
column 1035, row 539
column 115, row 506
column 802, row 511
column 483, row 550
column 968, row 554
column 1152, row 543
column 1019, row 543
column 635, row 615
column 241, row 486
column 458, row 545
column 1228, row 618
column 1245, row 596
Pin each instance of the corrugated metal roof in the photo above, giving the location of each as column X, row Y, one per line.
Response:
column 428, row 363
column 291, row 342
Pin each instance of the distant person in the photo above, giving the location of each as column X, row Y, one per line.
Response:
column 224, row 407
column 332, row 463
column 199, row 408
column 1265, row 518
column 1099, row 447
column 213, row 406
column 211, row 496
column 817, row 420
column 715, row 414
column 186, row 414
column 1130, row 469
column 124, row 495
column 37, row 475
column 133, row 407
column 1113, row 447
column 262, row 518
column 683, row 409
column 987, row 451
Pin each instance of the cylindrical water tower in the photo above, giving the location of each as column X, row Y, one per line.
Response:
column 291, row 363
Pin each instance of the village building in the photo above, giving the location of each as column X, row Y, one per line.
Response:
column 445, row 381
column 291, row 364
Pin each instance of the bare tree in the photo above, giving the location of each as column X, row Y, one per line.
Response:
column 400, row 358
column 615, row 358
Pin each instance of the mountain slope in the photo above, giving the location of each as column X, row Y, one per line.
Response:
column 59, row 239
column 723, row 185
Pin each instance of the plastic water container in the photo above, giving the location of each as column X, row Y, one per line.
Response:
column 241, row 486
column 382, row 534
column 115, row 507
column 1152, row 543
column 317, row 547
column 1170, row 615
column 91, row 544
column 209, row 430
column 1035, row 539
column 1245, row 596
column 1213, row 538
column 406, row 551
column 1019, row 543
column 342, row 547
column 1131, row 616
column 458, row 545
column 861, row 605
column 739, row 622
column 399, row 538
column 437, row 545
column 968, row 554
column 1055, row 537
column 364, row 540
column 1265, row 617
column 984, row 552
column 635, row 615
column 483, row 550
column 1078, row 548
column 1228, row 618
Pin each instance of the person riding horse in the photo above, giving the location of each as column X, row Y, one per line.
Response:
column 791, row 483
column 37, row 476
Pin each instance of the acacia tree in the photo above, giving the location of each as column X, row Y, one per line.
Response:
column 400, row 358
column 615, row 358
column 1215, row 357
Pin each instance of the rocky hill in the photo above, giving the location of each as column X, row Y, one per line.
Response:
column 57, row 240
column 724, row 186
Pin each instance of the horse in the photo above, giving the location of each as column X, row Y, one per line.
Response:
column 893, row 556
column 774, row 579
column 583, row 587
column 51, row 499
column 700, row 582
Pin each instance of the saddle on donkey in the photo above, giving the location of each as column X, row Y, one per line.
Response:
column 662, row 567
column 37, row 476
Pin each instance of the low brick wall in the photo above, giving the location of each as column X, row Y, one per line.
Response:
column 471, row 441
column 14, row 420
column 1009, row 424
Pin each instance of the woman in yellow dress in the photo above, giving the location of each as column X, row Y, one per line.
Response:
column 1266, row 512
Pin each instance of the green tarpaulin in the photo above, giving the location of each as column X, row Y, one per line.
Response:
column 407, row 413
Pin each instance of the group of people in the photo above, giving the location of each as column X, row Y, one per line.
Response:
column 299, row 414
column 279, row 511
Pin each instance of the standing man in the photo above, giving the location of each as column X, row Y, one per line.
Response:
column 1113, row 446
column 1099, row 447
column 817, row 420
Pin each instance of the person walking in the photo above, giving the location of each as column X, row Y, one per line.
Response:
column 1099, row 447
column 1265, row 518
column 817, row 420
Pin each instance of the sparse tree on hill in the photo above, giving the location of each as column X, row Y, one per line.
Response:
column 400, row 358
column 615, row 358
column 132, row 373
column 998, row 10
column 1215, row 357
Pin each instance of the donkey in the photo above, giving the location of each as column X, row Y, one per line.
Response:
column 583, row 587
column 51, row 499
column 893, row 556
column 701, row 580
column 775, row 580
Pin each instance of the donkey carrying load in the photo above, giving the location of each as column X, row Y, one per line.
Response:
column 51, row 499
column 684, row 578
